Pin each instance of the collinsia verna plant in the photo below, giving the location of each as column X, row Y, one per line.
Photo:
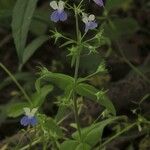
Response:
column 50, row 133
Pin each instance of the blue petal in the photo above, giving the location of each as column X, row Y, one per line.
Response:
column 25, row 121
column 90, row 25
column 33, row 121
column 63, row 16
column 55, row 16
column 99, row 2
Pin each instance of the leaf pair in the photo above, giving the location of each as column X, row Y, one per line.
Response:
column 90, row 136
column 66, row 83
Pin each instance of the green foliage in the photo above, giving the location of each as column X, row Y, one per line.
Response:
column 93, row 134
column 16, row 109
column 50, row 126
column 20, row 29
column 60, row 80
column 84, row 52
column 39, row 96
column 20, row 25
column 74, row 145
column 92, row 93
column 32, row 47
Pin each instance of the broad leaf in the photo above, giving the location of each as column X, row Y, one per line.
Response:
column 74, row 145
column 91, row 92
column 39, row 96
column 50, row 126
column 60, row 80
column 69, row 145
column 32, row 47
column 87, row 90
column 16, row 109
column 22, row 15
column 93, row 134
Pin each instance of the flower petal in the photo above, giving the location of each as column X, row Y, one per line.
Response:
column 61, row 5
column 63, row 16
column 25, row 121
column 55, row 16
column 90, row 25
column 91, row 17
column 33, row 121
column 33, row 111
column 54, row 5
column 27, row 111
column 99, row 2
column 85, row 19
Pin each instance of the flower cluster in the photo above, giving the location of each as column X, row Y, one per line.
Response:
column 59, row 14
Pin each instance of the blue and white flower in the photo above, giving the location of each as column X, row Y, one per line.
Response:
column 29, row 118
column 59, row 14
column 99, row 2
column 89, row 21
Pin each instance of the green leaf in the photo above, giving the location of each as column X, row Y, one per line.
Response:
column 40, row 22
column 69, row 145
column 39, row 97
column 93, row 134
column 16, row 109
column 87, row 90
column 50, row 126
column 104, row 101
column 74, row 145
column 83, row 146
column 66, row 43
column 62, row 112
column 60, row 80
column 32, row 47
column 92, row 93
column 21, row 19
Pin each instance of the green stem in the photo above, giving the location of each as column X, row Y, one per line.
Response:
column 118, row 134
column 16, row 82
column 76, row 74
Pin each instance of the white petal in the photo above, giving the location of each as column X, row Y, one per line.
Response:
column 91, row 17
column 33, row 111
column 27, row 111
column 54, row 5
column 61, row 5
column 85, row 18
